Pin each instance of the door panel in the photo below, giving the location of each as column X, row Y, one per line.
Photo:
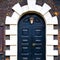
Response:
column 31, row 38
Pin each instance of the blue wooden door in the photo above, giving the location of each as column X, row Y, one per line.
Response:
column 31, row 38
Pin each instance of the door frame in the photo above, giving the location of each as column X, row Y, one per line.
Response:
column 50, row 31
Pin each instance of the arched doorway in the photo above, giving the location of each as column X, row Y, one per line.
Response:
column 31, row 38
column 50, row 21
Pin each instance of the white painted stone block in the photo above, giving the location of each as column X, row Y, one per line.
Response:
column 37, row 8
column 25, row 8
column 13, row 50
column 49, row 58
column 12, row 20
column 13, row 57
column 50, row 40
column 48, row 18
column 55, row 42
column 50, row 51
column 55, row 53
column 12, row 41
column 13, row 30
column 7, row 42
column 15, row 17
column 50, row 30
column 50, row 27
column 45, row 8
column 8, row 20
column 54, row 20
column 7, row 52
column 17, row 8
column 49, row 37
column 31, row 4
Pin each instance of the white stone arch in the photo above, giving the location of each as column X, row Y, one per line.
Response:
column 50, row 31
